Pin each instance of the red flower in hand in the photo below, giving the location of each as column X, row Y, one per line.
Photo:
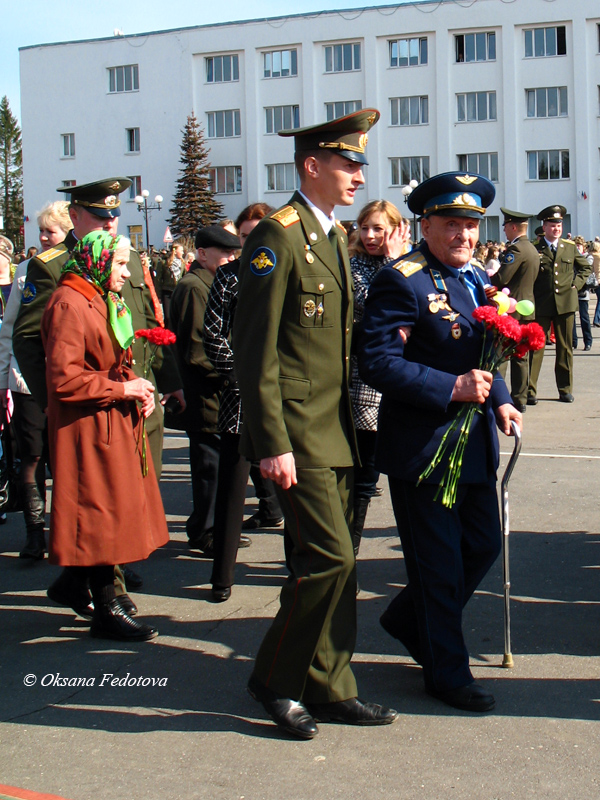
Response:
column 157, row 336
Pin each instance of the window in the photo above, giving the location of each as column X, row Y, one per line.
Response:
column 342, row 108
column 476, row 106
column 544, row 165
column 135, row 236
column 408, row 52
column 133, row 140
column 223, row 124
column 489, row 229
column 226, row 180
column 409, row 110
column 475, row 47
column 66, row 184
column 342, row 57
column 280, row 64
column 123, row 79
column 282, row 177
column 540, row 42
column 550, row 102
column 279, row 118
column 68, row 145
column 405, row 170
column 136, row 187
column 485, row 164
column 222, row 69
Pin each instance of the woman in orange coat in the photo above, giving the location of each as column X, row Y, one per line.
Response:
column 104, row 511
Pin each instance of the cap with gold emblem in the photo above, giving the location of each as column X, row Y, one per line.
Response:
column 452, row 194
column 100, row 198
column 347, row 136
column 555, row 213
column 514, row 216
column 6, row 247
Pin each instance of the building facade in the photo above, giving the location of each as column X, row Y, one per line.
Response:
column 509, row 90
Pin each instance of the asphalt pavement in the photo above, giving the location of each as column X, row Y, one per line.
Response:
column 88, row 719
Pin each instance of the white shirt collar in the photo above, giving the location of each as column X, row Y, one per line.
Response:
column 551, row 244
column 326, row 222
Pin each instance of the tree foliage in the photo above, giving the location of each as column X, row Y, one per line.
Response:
column 11, row 174
column 194, row 205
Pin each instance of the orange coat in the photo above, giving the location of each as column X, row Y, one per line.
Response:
column 103, row 510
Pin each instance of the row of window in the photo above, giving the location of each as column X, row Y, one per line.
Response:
column 132, row 142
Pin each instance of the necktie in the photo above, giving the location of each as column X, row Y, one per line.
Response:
column 468, row 280
column 334, row 239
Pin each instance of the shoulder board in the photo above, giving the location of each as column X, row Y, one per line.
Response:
column 566, row 241
column 48, row 255
column 475, row 264
column 286, row 216
column 409, row 266
column 340, row 226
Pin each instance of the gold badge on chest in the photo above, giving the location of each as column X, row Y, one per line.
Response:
column 309, row 308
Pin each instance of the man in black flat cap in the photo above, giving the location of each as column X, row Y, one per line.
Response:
column 519, row 267
column 291, row 340
column 563, row 273
column 215, row 246
column 421, row 348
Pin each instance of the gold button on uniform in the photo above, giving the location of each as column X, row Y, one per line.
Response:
column 321, row 287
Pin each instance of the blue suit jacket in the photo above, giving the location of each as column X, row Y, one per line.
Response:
column 416, row 379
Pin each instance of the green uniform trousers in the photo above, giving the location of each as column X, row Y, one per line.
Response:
column 307, row 650
column 519, row 378
column 563, row 365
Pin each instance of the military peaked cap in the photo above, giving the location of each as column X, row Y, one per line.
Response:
column 100, row 198
column 347, row 136
column 452, row 194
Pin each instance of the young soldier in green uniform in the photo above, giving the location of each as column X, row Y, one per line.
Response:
column 563, row 272
column 291, row 341
column 519, row 267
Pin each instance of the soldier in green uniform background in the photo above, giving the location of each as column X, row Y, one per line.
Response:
column 291, row 344
column 563, row 273
column 519, row 267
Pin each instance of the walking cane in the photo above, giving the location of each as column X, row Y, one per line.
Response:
column 507, row 661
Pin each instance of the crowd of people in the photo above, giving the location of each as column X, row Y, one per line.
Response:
column 306, row 356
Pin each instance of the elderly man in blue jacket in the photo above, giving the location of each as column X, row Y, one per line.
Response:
column 421, row 348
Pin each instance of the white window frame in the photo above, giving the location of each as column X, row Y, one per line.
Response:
column 282, row 177
column 68, row 145
column 539, row 98
column 132, row 141
column 416, row 168
column 274, row 63
column 536, row 39
column 413, row 50
column 485, row 164
column 125, row 78
column 467, row 102
column 222, row 178
column 344, row 54
column 411, row 109
column 275, row 118
column 224, row 124
column 533, row 160
column 136, row 186
column 345, row 107
column 481, row 47
column 234, row 68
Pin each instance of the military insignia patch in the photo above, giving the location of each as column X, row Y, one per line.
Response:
column 29, row 293
column 509, row 258
column 309, row 308
column 456, row 331
column 263, row 261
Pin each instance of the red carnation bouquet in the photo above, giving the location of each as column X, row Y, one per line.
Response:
column 156, row 337
column 504, row 337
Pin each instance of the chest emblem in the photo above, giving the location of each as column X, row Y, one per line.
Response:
column 310, row 308
column 263, row 261
column 456, row 331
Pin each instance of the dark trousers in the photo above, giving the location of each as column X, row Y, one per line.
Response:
column 204, row 468
column 365, row 476
column 229, row 511
column 586, row 326
column 447, row 553
column 268, row 504
column 306, row 653
column 597, row 311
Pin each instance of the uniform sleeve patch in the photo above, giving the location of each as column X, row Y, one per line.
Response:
column 509, row 258
column 262, row 261
column 29, row 293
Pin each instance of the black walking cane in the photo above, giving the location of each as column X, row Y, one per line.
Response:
column 507, row 661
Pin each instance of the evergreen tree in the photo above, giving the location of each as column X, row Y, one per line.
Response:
column 11, row 174
column 194, row 205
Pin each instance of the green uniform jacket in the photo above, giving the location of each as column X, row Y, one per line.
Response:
column 519, row 268
column 291, row 341
column 559, row 279
column 201, row 382
column 43, row 273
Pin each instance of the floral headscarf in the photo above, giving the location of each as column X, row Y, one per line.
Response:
column 92, row 259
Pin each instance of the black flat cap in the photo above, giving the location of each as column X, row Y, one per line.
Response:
column 216, row 236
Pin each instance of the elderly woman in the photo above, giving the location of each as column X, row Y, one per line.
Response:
column 28, row 420
column 104, row 511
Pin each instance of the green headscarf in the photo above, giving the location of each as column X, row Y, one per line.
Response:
column 92, row 259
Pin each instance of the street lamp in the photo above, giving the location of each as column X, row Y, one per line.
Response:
column 407, row 191
column 146, row 208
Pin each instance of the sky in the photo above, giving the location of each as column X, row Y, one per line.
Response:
column 30, row 22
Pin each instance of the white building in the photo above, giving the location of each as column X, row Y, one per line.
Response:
column 511, row 90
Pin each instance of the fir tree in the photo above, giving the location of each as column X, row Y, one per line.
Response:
column 11, row 174
column 194, row 205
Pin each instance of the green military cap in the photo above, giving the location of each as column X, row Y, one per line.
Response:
column 552, row 213
column 346, row 135
column 514, row 216
column 100, row 198
column 539, row 231
column 6, row 247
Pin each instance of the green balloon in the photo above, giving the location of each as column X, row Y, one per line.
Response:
column 525, row 307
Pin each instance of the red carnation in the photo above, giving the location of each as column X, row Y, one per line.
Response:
column 157, row 336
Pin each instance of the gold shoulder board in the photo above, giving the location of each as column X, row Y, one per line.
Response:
column 286, row 216
column 408, row 268
column 48, row 255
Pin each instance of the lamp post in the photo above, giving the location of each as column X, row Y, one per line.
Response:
column 145, row 207
column 407, row 191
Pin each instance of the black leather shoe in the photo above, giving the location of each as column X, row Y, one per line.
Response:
column 471, row 697
column 522, row 407
column 352, row 712
column 566, row 397
column 532, row 401
column 387, row 623
column 111, row 622
column 127, row 604
column 35, row 545
column 221, row 593
column 587, row 347
column 289, row 715
column 80, row 601
column 133, row 581
column 245, row 541
column 204, row 543
column 258, row 520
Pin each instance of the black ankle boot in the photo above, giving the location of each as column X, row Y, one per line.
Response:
column 360, row 514
column 34, row 507
column 111, row 622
